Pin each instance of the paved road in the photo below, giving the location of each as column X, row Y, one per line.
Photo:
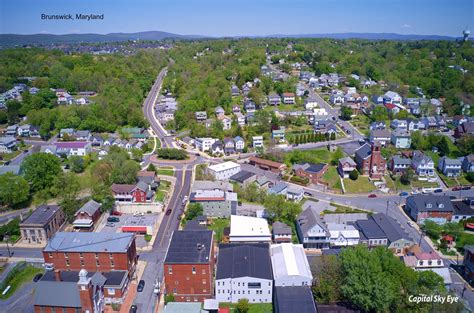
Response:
column 6, row 217
column 36, row 146
column 26, row 253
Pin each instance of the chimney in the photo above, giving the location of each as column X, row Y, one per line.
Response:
column 57, row 275
column 85, row 291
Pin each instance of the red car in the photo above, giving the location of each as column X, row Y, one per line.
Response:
column 168, row 212
column 456, row 188
column 372, row 195
column 116, row 213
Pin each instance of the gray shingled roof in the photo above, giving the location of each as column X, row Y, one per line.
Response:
column 89, row 242
column 390, row 227
column 189, row 247
column 370, row 229
column 57, row 294
column 241, row 176
column 364, row 151
column 90, row 208
column 279, row 228
column 42, row 215
column 429, row 203
column 308, row 219
column 241, row 260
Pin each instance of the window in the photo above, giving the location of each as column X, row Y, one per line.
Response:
column 96, row 255
column 111, row 256
column 238, row 284
column 50, row 255
column 203, row 281
column 67, row 263
column 97, row 263
column 170, row 270
column 82, row 263
column 194, row 270
column 81, row 255
column 111, row 291
column 204, row 271
column 254, row 285
column 421, row 262
column 112, row 263
column 174, row 290
column 66, row 255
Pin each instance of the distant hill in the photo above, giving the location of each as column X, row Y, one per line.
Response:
column 47, row 39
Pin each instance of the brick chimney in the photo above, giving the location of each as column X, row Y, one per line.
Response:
column 85, row 292
column 57, row 275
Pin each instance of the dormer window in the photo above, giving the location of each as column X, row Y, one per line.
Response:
column 429, row 205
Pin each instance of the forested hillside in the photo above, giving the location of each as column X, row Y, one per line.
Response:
column 121, row 82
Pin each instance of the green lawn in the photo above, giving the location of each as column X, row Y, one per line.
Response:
column 454, row 181
column 401, row 186
column 160, row 195
column 434, row 156
column 165, row 170
column 464, row 239
column 9, row 156
column 361, row 185
column 332, row 178
column 23, row 276
column 343, row 209
column 423, row 184
column 218, row 226
column 362, row 123
column 253, row 307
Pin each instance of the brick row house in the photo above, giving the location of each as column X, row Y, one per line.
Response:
column 139, row 192
column 370, row 161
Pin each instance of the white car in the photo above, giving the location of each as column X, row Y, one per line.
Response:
column 410, row 223
column 138, row 214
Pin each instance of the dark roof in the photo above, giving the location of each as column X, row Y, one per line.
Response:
column 194, row 225
column 66, row 294
column 364, row 151
column 90, row 208
column 189, row 247
column 370, row 229
column 240, row 260
column 279, row 228
column 462, row 208
column 430, row 203
column 112, row 278
column 42, row 215
column 241, row 176
column 310, row 167
column 390, row 227
column 291, row 299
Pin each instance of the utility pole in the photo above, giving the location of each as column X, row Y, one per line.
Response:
column 421, row 237
column 8, row 248
column 386, row 210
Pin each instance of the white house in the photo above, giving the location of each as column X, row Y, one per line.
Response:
column 320, row 114
column 244, row 271
column 226, row 122
column 289, row 98
column 392, row 97
column 224, row 170
column 401, row 139
column 204, row 144
column 343, row 235
column 290, row 265
column 310, row 103
column 257, row 141
column 249, row 229
column 7, row 144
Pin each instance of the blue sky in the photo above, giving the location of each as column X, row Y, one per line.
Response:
column 242, row 17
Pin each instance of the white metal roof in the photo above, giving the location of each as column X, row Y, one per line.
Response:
column 289, row 260
column 248, row 226
column 223, row 166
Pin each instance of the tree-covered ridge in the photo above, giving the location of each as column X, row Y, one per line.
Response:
column 120, row 81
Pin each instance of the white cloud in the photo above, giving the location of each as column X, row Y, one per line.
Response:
column 44, row 32
column 74, row 31
column 406, row 26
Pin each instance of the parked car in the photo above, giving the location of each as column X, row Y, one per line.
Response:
column 410, row 223
column 113, row 219
column 403, row 194
column 156, row 290
column 108, row 224
column 456, row 188
column 466, row 188
column 37, row 277
column 138, row 213
column 438, row 190
column 117, row 213
column 141, row 285
column 372, row 195
column 168, row 212
column 307, row 194
column 133, row 308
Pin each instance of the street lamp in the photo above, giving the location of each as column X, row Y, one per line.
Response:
column 6, row 237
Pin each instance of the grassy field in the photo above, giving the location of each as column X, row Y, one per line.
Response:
column 165, row 170
column 253, row 307
column 162, row 190
column 361, row 185
column 362, row 123
column 343, row 209
column 454, row 181
column 24, row 276
column 218, row 226
column 332, row 178
column 423, row 184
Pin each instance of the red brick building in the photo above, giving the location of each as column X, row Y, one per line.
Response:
column 95, row 252
column 132, row 193
column 370, row 161
column 469, row 263
column 267, row 165
column 87, row 215
column 313, row 172
column 189, row 266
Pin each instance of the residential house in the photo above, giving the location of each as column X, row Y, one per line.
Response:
column 235, row 91
column 380, row 136
column 217, row 147
column 280, row 188
column 286, row 299
column 246, row 88
column 423, row 165
column 70, row 148
column 320, row 114
column 7, row 144
column 430, row 122
column 377, row 125
column 342, row 235
column 466, row 128
column 229, row 146
column 92, row 251
column 281, row 232
column 294, row 193
column 222, row 171
column 249, row 229
column 278, row 135
column 28, row 130
column 392, row 97
column 219, row 111
column 241, row 119
column 267, row 165
column 189, row 265
column 345, row 166
column 274, row 99
column 463, row 209
column 370, row 161
column 438, row 209
column 290, row 265
column 399, row 165
column 310, row 103
column 257, row 141
column 42, row 224
column 377, row 99
column 324, row 127
column 314, row 172
column 399, row 124
column 336, row 98
column 414, row 125
column 128, row 193
column 215, row 203
column 204, row 144
column 250, row 106
column 401, row 139
column 392, row 108
column 468, row 163
column 236, row 109
column 398, row 239
column 84, row 293
column 201, row 116
column 450, row 167
column 87, row 215
column 311, row 229
column 438, row 106
column 468, row 263
column 243, row 178
column 370, row 233
column 226, row 122
column 244, row 271
column 239, row 144
column 289, row 98
column 11, row 130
